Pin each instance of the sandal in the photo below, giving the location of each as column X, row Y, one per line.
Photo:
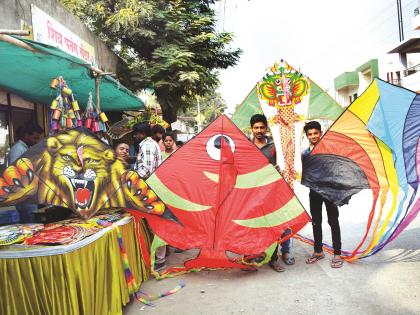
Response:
column 289, row 260
column 314, row 258
column 337, row 262
column 276, row 265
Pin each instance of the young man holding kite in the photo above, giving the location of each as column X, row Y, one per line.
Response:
column 265, row 144
column 313, row 133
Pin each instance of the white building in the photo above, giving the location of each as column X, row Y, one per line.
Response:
column 400, row 65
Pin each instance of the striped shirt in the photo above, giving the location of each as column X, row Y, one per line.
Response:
column 149, row 157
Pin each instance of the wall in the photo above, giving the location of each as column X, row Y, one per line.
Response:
column 412, row 82
column 342, row 95
column 14, row 13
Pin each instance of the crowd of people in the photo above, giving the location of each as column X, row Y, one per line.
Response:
column 151, row 145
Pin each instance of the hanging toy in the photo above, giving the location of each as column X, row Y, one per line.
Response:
column 65, row 108
column 87, row 117
column 93, row 119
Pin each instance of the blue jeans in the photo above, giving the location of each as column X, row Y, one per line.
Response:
column 25, row 212
column 284, row 247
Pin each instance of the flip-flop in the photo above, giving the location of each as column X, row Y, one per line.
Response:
column 290, row 260
column 337, row 263
column 314, row 258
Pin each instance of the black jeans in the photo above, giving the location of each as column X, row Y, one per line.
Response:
column 315, row 204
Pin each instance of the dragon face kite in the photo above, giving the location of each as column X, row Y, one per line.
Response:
column 286, row 97
column 374, row 144
column 74, row 169
column 226, row 196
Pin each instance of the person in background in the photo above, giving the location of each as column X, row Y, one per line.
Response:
column 30, row 134
column 148, row 160
column 313, row 132
column 122, row 151
column 169, row 144
column 149, row 155
column 179, row 143
column 157, row 134
column 259, row 127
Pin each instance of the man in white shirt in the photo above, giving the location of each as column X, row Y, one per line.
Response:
column 149, row 156
column 148, row 160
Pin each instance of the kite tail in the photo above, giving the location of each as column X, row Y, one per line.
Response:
column 374, row 236
column 147, row 299
column 378, row 238
column 131, row 282
column 384, row 240
column 353, row 257
column 287, row 132
column 408, row 217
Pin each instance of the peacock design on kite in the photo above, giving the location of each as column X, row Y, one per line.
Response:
column 283, row 88
column 226, row 197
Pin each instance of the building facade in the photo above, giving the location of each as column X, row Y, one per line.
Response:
column 399, row 65
column 50, row 23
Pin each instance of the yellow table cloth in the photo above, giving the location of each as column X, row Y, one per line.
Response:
column 89, row 280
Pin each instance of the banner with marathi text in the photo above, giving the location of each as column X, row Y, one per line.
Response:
column 49, row 31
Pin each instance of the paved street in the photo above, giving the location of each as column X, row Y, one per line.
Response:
column 387, row 283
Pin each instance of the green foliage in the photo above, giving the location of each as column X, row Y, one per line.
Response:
column 169, row 45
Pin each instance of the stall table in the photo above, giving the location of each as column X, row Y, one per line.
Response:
column 87, row 277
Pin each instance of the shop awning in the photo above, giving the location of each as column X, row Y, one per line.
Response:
column 29, row 73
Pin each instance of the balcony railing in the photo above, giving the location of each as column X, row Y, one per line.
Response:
column 412, row 70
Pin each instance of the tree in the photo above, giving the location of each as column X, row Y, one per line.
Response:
column 169, row 45
column 212, row 105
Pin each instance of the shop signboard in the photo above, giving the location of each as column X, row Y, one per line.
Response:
column 49, row 31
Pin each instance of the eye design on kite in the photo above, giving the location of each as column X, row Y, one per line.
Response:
column 215, row 143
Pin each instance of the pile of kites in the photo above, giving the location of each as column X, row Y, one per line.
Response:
column 217, row 193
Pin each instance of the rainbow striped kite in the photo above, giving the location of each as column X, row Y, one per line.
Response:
column 374, row 144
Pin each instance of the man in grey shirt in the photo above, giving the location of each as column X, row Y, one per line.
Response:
column 30, row 135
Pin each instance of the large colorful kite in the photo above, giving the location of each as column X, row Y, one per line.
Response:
column 374, row 144
column 74, row 169
column 287, row 98
column 227, row 198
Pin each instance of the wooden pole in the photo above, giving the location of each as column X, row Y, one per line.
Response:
column 16, row 42
column 15, row 32
column 97, row 93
